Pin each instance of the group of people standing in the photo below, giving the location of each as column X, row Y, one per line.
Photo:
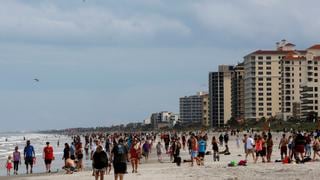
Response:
column 29, row 158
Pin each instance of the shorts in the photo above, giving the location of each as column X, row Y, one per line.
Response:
column 249, row 151
column 201, row 154
column 193, row 154
column 299, row 148
column 260, row 153
column 29, row 160
column 120, row 168
column 283, row 149
column 99, row 170
column 47, row 161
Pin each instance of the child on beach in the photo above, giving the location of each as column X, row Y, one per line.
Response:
column 9, row 165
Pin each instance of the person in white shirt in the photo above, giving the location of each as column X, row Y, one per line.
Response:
column 249, row 145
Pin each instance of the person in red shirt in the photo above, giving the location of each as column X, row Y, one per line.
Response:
column 135, row 151
column 48, row 156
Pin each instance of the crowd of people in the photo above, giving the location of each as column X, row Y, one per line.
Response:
column 115, row 151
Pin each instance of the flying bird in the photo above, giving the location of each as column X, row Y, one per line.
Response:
column 37, row 80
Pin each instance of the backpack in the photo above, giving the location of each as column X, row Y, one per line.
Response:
column 121, row 149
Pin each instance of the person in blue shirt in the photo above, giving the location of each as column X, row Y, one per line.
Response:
column 202, row 144
column 29, row 156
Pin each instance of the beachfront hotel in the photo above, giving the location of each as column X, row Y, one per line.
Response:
column 195, row 109
column 282, row 83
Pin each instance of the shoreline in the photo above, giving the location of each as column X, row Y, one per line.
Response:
column 153, row 170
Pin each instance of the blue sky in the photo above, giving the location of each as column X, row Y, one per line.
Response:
column 104, row 62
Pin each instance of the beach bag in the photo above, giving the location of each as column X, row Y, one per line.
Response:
column 286, row 160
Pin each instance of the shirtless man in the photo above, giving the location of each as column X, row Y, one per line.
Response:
column 283, row 146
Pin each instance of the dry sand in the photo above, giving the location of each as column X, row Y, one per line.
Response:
column 153, row 170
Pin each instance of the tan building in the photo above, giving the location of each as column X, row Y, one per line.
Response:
column 300, row 84
column 262, row 81
column 282, row 82
column 205, row 109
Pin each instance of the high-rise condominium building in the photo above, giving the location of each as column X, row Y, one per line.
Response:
column 220, row 96
column 237, row 91
column 282, row 82
column 194, row 109
column 300, row 84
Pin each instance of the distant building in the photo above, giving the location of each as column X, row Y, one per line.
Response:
column 220, row 95
column 163, row 119
column 194, row 109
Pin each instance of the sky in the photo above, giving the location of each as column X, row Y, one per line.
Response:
column 109, row 62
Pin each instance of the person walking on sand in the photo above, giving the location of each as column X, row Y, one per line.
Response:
column 259, row 150
column 29, row 156
column 215, row 149
column 16, row 160
column 135, row 150
column 159, row 148
column 249, row 147
column 9, row 165
column 194, row 148
column 48, row 156
column 269, row 147
column 283, row 146
column 202, row 144
column 99, row 162
column 119, row 154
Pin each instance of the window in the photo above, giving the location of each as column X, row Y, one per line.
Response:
column 260, row 89
column 315, row 80
column 268, row 63
column 268, row 72
column 260, row 94
column 268, row 67
column 260, row 84
column 260, row 67
column 269, row 109
column 260, row 57
column 260, row 63
column 316, row 89
column 269, row 114
column 260, row 98
column 269, row 94
column 268, row 89
column 268, row 84
column 260, row 79
column 253, row 57
column 260, row 109
column 268, row 57
column 260, row 114
column 269, row 99
column 269, row 104
column 260, row 104
column 268, row 79
column 260, row 73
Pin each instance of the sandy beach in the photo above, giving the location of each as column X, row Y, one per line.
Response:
column 153, row 170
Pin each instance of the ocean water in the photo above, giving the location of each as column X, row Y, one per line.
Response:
column 9, row 141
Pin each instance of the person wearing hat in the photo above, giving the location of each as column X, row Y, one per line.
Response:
column 48, row 156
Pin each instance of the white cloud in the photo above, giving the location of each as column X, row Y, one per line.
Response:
column 48, row 22
column 255, row 20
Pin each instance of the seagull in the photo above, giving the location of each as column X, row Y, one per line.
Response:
column 36, row 79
